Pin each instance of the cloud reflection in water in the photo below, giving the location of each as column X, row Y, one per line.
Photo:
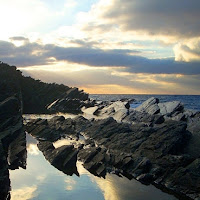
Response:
column 42, row 181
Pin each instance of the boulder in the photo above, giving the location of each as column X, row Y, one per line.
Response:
column 135, row 117
column 149, row 106
column 94, row 160
column 9, row 107
column 90, row 111
column 74, row 93
column 113, row 108
column 68, row 105
column 193, row 147
column 17, row 152
column 170, row 108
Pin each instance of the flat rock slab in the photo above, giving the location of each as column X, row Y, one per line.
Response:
column 169, row 108
column 147, row 104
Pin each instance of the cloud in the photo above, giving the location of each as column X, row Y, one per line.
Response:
column 31, row 54
column 114, row 58
column 25, row 55
column 24, row 193
column 188, row 51
column 113, row 81
column 187, row 83
column 70, row 184
column 33, row 149
column 34, row 16
column 19, row 38
column 79, row 78
column 154, row 17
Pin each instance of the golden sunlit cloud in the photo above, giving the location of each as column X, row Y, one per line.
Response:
column 108, row 188
column 188, row 50
column 112, row 81
column 108, row 89
column 41, row 178
column 81, row 169
column 24, row 193
column 70, row 183
column 61, row 142
column 33, row 149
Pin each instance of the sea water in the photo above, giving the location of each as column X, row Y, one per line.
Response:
column 189, row 101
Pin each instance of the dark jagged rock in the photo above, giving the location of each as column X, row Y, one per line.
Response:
column 9, row 107
column 12, row 142
column 51, row 130
column 9, row 81
column 63, row 158
column 56, row 127
column 12, row 134
column 149, row 106
column 194, row 127
column 39, row 97
column 17, row 152
column 143, row 117
column 94, row 160
column 186, row 180
column 74, row 93
column 68, row 105
column 4, row 176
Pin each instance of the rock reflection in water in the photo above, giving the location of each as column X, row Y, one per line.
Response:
column 43, row 181
column 12, row 151
column 63, row 158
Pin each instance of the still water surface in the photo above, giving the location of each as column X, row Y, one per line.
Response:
column 42, row 181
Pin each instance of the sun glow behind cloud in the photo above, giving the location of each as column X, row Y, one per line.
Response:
column 128, row 50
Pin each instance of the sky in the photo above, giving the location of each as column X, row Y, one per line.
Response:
column 105, row 46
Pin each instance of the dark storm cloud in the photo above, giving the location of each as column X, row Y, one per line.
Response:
column 118, row 58
column 31, row 54
column 22, row 56
column 168, row 17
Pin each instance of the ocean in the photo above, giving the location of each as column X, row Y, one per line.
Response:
column 189, row 101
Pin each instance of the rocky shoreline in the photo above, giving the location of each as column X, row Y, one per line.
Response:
column 155, row 143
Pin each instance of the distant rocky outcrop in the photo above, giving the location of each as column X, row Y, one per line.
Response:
column 71, row 102
column 39, row 97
